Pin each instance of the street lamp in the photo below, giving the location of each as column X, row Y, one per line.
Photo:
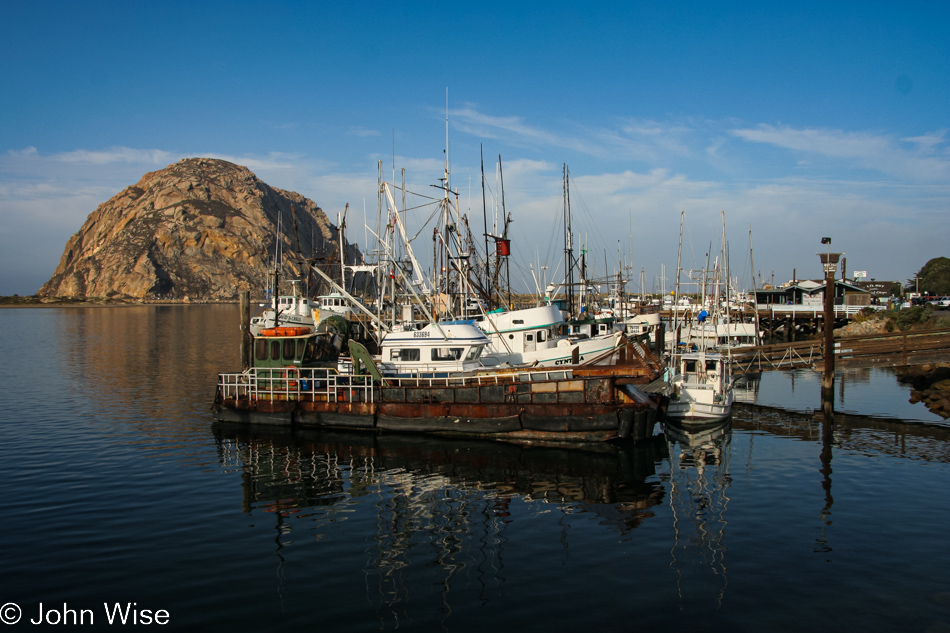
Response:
column 829, row 262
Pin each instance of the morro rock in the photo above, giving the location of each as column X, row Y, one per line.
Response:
column 201, row 228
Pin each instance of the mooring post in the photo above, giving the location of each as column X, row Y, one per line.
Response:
column 829, row 261
column 246, row 339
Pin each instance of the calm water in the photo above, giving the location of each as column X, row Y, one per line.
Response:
column 117, row 488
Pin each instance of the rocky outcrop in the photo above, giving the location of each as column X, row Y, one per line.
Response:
column 862, row 328
column 931, row 385
column 200, row 228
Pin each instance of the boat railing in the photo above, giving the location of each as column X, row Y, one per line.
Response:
column 312, row 384
column 467, row 379
column 328, row 385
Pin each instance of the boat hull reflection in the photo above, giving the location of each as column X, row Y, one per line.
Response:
column 294, row 468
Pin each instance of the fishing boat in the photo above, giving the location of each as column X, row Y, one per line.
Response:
column 293, row 310
column 293, row 380
column 436, row 350
column 539, row 337
column 336, row 303
column 702, row 390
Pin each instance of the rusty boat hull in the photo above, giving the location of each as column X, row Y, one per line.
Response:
column 562, row 405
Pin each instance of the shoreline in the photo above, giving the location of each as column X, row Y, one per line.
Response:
column 34, row 301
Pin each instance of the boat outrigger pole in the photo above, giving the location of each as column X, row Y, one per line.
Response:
column 382, row 324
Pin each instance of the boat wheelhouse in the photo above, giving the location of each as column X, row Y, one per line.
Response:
column 438, row 349
column 540, row 337
column 335, row 303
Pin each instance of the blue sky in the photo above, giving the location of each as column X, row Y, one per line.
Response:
column 798, row 120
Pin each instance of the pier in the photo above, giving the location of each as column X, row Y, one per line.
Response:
column 790, row 322
column 893, row 349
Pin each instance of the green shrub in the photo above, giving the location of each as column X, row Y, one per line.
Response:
column 915, row 316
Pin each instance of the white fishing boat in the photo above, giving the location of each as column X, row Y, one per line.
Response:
column 721, row 335
column 436, row 350
column 642, row 325
column 294, row 310
column 336, row 303
column 702, row 388
column 539, row 337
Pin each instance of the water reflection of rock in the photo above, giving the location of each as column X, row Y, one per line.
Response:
column 931, row 386
column 148, row 358
column 699, row 481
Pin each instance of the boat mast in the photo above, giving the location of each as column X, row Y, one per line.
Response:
column 755, row 299
column 341, row 228
column 676, row 294
column 504, row 233
column 568, row 247
column 488, row 290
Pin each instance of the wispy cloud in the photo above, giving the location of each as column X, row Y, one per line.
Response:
column 621, row 139
column 125, row 155
column 514, row 131
column 363, row 132
column 919, row 158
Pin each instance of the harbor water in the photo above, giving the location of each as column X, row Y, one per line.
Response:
column 122, row 499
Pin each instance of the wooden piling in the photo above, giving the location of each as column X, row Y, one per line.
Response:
column 246, row 339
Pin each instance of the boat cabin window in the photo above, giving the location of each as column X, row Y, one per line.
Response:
column 474, row 352
column 286, row 351
column 290, row 348
column 529, row 337
column 690, row 366
column 541, row 336
column 447, row 353
column 518, row 321
column 404, row 354
column 710, row 365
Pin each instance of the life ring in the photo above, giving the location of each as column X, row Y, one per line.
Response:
column 291, row 381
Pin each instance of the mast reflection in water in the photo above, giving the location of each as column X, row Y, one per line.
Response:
column 699, row 480
column 439, row 506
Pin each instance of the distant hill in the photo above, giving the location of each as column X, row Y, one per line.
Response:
column 201, row 228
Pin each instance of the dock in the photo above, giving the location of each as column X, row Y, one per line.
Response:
column 893, row 349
